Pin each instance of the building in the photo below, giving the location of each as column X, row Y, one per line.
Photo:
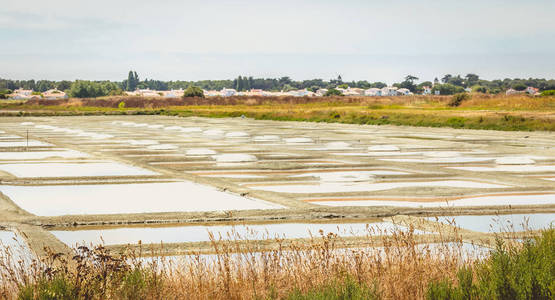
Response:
column 389, row 91
column 426, row 90
column 532, row 90
column 354, row 92
column 404, row 92
column 513, row 92
column 373, row 92
column 228, row 92
column 54, row 94
column 321, row 92
column 21, row 94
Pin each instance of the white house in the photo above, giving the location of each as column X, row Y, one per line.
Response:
column 21, row 94
column 373, row 92
column 354, row 92
column 173, row 93
column 389, row 91
column 512, row 92
column 532, row 90
column 404, row 92
column 321, row 92
column 228, row 92
column 426, row 90
column 54, row 94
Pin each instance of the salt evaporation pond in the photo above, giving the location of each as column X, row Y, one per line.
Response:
column 500, row 223
column 23, row 155
column 93, row 169
column 234, row 157
column 466, row 250
column 18, row 249
column 30, row 143
column 184, row 234
column 547, row 199
column 509, row 168
column 365, row 187
column 127, row 198
column 266, row 138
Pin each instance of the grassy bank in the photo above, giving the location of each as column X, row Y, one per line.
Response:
column 318, row 270
column 516, row 113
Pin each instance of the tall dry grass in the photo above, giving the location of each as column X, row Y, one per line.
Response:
column 399, row 269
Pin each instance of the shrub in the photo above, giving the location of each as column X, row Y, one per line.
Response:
column 526, row 272
column 193, row 91
column 333, row 92
column 457, row 99
column 121, row 105
column 348, row 289
column 548, row 93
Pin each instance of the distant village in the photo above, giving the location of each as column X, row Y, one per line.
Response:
column 53, row 94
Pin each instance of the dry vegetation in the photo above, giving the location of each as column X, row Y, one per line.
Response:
column 321, row 269
column 495, row 112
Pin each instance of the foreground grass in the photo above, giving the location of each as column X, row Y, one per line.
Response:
column 319, row 270
column 517, row 113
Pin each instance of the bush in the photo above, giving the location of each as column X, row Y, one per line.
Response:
column 548, row 93
column 526, row 272
column 348, row 289
column 121, row 105
column 457, row 99
column 447, row 89
column 193, row 91
column 333, row 92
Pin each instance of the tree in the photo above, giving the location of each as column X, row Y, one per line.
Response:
column 132, row 81
column 471, row 79
column 519, row 86
column 447, row 89
column 193, row 91
column 446, row 78
column 411, row 78
column 86, row 89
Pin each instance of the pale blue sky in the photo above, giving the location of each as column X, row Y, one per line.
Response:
column 220, row 39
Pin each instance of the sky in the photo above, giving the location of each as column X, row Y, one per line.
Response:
column 303, row 39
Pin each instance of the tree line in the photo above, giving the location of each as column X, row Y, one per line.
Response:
column 447, row 85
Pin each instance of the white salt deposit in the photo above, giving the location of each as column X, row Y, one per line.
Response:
column 41, row 155
column 33, row 170
column 301, row 140
column 127, row 198
column 200, row 151
column 234, row 157
column 9, row 137
column 338, row 145
column 474, row 201
column 366, row 187
column 509, row 168
column 266, row 138
column 173, row 128
column 384, row 148
column 514, row 161
column 213, row 132
column 30, row 143
column 237, row 134
column 191, row 129
column 163, row 147
column 142, row 142
column 442, row 154
column 155, row 126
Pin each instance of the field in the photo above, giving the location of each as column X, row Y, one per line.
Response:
column 291, row 206
column 509, row 113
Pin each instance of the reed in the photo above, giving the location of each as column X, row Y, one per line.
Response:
column 319, row 269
